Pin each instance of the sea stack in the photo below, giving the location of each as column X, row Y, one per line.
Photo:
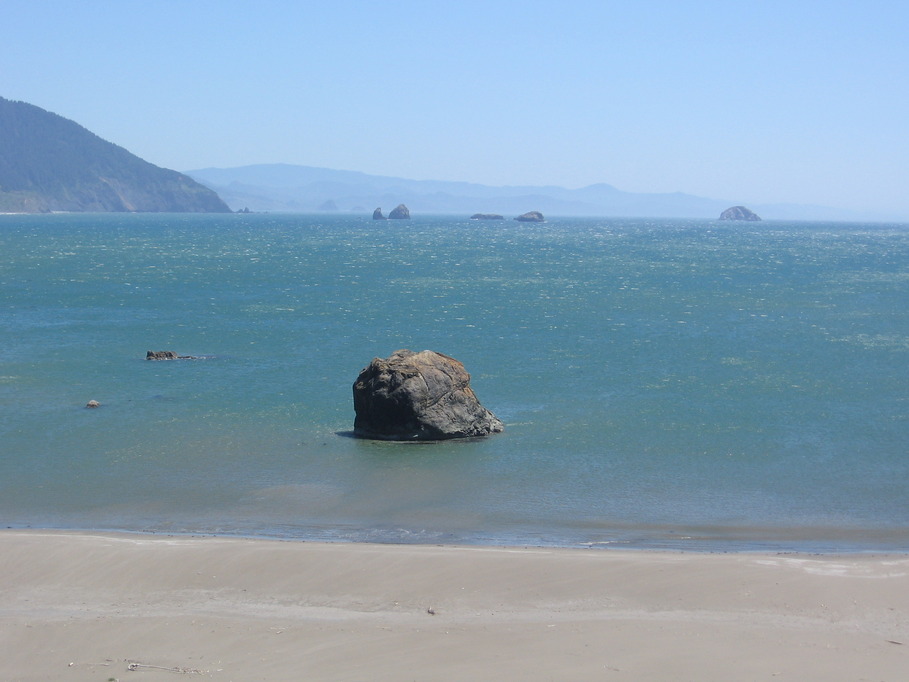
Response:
column 377, row 214
column 399, row 212
column 739, row 213
column 418, row 396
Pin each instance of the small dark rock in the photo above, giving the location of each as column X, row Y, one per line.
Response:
column 161, row 355
column 92, row 404
column 167, row 355
column 531, row 217
column 487, row 216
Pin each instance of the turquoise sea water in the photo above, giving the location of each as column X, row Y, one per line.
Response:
column 683, row 384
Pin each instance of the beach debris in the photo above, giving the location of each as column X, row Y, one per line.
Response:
column 92, row 404
column 431, row 611
column 418, row 396
column 133, row 666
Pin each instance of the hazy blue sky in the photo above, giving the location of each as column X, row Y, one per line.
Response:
column 753, row 102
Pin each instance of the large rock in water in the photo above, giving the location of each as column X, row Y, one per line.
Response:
column 419, row 396
column 377, row 214
column 531, row 217
column 739, row 213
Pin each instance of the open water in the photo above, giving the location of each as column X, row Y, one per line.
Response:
column 682, row 384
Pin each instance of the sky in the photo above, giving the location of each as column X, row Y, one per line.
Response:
column 752, row 102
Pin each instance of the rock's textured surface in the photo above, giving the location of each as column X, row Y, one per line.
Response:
column 399, row 212
column 418, row 396
column 739, row 213
column 531, row 217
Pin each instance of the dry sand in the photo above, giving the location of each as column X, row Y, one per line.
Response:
column 80, row 606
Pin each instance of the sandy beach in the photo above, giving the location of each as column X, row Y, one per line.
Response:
column 96, row 607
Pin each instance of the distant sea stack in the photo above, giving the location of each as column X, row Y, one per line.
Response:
column 399, row 212
column 49, row 163
column 531, row 217
column 487, row 216
column 739, row 213
column 377, row 214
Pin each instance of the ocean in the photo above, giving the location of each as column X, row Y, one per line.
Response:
column 665, row 384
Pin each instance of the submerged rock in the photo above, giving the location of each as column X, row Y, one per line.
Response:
column 92, row 404
column 531, row 217
column 418, row 396
column 399, row 212
column 739, row 213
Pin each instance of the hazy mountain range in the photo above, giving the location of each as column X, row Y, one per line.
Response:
column 290, row 188
column 49, row 163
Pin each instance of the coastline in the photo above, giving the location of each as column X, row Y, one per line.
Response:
column 87, row 606
column 805, row 540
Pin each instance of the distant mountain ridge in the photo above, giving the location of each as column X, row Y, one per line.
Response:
column 49, row 163
column 304, row 189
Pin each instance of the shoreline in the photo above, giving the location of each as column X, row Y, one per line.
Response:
column 79, row 605
column 810, row 541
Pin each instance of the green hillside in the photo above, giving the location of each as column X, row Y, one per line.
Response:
column 49, row 163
